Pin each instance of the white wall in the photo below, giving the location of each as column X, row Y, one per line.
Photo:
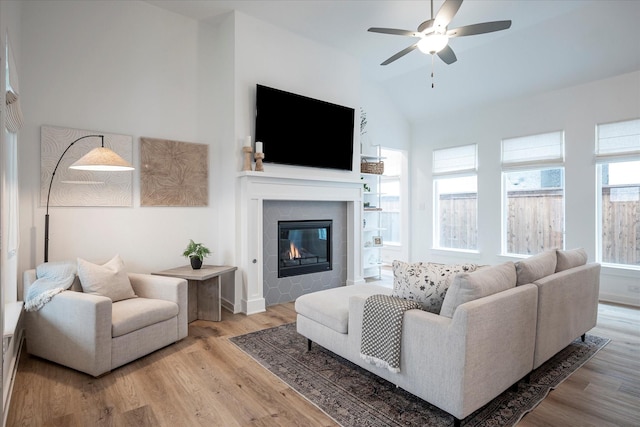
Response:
column 268, row 55
column 388, row 128
column 135, row 69
column 120, row 67
column 576, row 110
column 271, row 56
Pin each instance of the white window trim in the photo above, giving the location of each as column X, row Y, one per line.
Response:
column 601, row 159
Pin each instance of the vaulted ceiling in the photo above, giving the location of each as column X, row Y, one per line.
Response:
column 551, row 44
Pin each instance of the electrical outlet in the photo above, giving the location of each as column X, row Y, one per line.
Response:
column 634, row 289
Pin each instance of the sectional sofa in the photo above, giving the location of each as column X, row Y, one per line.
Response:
column 495, row 325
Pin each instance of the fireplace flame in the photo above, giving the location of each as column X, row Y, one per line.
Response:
column 293, row 251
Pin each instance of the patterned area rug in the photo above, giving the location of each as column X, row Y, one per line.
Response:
column 354, row 397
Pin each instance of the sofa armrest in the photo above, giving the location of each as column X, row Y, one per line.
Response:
column 488, row 346
column 461, row 363
column 73, row 329
column 165, row 288
column 157, row 287
column 567, row 308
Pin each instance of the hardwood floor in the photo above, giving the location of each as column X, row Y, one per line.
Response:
column 204, row 380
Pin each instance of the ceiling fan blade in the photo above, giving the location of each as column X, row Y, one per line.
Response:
column 426, row 27
column 447, row 55
column 400, row 54
column 446, row 13
column 394, row 31
column 485, row 27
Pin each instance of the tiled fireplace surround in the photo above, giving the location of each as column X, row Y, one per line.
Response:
column 262, row 196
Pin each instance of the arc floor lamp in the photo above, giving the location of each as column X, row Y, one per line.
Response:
column 98, row 159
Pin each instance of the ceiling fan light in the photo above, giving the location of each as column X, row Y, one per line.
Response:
column 433, row 43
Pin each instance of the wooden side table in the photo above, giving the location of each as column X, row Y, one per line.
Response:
column 204, row 289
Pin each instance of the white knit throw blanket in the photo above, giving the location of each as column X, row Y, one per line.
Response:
column 52, row 278
column 382, row 330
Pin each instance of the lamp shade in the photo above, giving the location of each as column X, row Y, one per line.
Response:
column 102, row 159
column 433, row 43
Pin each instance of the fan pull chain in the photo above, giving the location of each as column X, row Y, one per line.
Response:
column 432, row 64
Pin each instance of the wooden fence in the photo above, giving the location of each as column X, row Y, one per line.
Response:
column 621, row 225
column 535, row 223
column 458, row 221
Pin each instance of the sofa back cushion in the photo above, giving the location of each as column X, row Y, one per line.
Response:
column 481, row 283
column 425, row 283
column 570, row 259
column 536, row 267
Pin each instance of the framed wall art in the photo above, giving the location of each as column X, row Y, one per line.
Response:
column 80, row 187
column 173, row 173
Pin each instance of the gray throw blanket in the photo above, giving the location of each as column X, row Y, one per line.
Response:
column 52, row 278
column 382, row 330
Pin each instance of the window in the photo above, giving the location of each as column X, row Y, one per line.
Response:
column 533, row 193
column 618, row 163
column 455, row 189
column 390, row 188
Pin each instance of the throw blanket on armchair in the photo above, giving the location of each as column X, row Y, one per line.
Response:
column 382, row 330
column 52, row 278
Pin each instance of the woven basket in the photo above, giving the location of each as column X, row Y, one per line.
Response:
column 372, row 167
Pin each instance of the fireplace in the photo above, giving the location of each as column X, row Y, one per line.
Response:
column 304, row 247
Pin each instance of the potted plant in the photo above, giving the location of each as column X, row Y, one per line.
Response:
column 196, row 253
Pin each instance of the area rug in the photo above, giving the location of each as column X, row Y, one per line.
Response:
column 353, row 397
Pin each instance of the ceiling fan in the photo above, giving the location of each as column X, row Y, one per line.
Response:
column 434, row 35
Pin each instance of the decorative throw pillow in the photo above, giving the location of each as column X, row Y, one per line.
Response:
column 481, row 283
column 570, row 259
column 536, row 267
column 426, row 283
column 109, row 280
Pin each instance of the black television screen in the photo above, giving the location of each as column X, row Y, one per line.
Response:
column 302, row 131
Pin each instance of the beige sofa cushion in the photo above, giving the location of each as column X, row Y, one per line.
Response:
column 481, row 283
column 570, row 259
column 330, row 307
column 536, row 267
column 132, row 314
column 425, row 283
column 109, row 280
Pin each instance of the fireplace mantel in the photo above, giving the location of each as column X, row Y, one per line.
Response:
column 257, row 187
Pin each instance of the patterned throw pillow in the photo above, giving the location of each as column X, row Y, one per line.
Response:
column 426, row 283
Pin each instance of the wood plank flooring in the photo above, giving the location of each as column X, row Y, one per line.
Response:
column 204, row 380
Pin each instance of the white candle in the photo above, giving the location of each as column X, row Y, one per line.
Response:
column 258, row 147
column 247, row 142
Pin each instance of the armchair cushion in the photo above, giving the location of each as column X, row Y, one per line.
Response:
column 133, row 314
column 109, row 280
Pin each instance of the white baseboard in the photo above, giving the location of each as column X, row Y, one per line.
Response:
column 619, row 299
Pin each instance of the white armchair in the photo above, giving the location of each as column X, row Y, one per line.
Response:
column 92, row 334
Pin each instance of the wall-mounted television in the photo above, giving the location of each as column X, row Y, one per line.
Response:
column 302, row 131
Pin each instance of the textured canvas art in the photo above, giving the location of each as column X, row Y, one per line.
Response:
column 173, row 173
column 82, row 188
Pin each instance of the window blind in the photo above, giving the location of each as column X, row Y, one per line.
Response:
column 455, row 160
column 13, row 118
column 546, row 148
column 618, row 140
